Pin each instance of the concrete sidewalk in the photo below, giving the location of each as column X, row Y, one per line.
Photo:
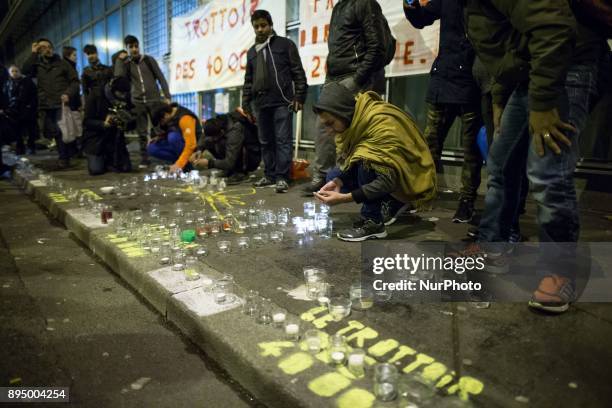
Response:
column 501, row 356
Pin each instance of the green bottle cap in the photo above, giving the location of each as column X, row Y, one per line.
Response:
column 188, row 236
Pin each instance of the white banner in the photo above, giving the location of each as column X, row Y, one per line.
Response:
column 415, row 53
column 209, row 45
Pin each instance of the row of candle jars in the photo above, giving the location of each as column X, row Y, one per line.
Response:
column 266, row 313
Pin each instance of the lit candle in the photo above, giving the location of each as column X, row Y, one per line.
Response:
column 337, row 357
column 220, row 297
column 178, row 267
column 164, row 260
column 292, row 329
column 355, row 360
column 278, row 317
column 314, row 344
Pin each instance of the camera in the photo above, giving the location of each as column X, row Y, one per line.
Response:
column 120, row 115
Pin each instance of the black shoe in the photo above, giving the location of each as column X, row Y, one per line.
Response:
column 315, row 185
column 281, row 186
column 392, row 210
column 236, row 179
column 263, row 182
column 370, row 229
column 465, row 212
column 472, row 232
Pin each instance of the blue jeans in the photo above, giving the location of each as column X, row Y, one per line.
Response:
column 551, row 176
column 359, row 175
column 275, row 136
column 168, row 149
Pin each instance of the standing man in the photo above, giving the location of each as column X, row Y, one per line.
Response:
column 21, row 110
column 58, row 82
column 144, row 75
column 275, row 87
column 360, row 46
column 452, row 93
column 545, row 67
column 96, row 75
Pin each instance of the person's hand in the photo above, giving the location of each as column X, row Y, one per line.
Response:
column 167, row 101
column 65, row 98
column 174, row 169
column 195, row 156
column 201, row 163
column 547, row 130
column 108, row 122
column 333, row 197
column 123, row 56
column 498, row 110
column 333, row 185
column 423, row 3
column 35, row 47
column 153, row 140
column 249, row 115
column 297, row 106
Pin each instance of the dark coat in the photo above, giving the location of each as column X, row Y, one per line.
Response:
column 55, row 76
column 451, row 78
column 291, row 76
column 22, row 99
column 356, row 40
column 95, row 77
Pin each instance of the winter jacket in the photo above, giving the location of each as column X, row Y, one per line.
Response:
column 285, row 73
column 189, row 126
column 144, row 74
column 356, row 40
column 55, row 77
column 75, row 100
column 451, row 78
column 3, row 80
column 22, row 100
column 95, row 77
column 238, row 149
column 531, row 41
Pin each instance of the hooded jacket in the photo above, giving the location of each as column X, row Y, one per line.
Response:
column 385, row 139
column 144, row 74
column 55, row 78
column 21, row 97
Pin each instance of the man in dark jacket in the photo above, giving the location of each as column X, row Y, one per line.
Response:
column 356, row 59
column 545, row 68
column 96, row 75
column 21, row 109
column 230, row 143
column 452, row 93
column 144, row 75
column 107, row 117
column 275, row 84
column 57, row 82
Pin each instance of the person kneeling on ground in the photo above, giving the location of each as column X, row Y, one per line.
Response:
column 107, row 117
column 230, row 143
column 383, row 159
column 182, row 129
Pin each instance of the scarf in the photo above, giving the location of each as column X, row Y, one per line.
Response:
column 261, row 83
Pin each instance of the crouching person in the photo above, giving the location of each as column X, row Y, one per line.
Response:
column 181, row 129
column 107, row 117
column 230, row 144
column 384, row 160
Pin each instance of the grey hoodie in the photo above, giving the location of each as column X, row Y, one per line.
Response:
column 144, row 80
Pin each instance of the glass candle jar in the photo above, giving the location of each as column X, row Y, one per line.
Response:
column 292, row 328
column 356, row 362
column 225, row 247
column 385, row 382
column 362, row 297
column 201, row 252
column 250, row 306
column 178, row 260
column 310, row 208
column 243, row 243
column 191, row 268
column 276, row 236
column 315, row 281
column 278, row 317
column 165, row 255
column 223, row 291
column 265, row 311
column 339, row 308
column 337, row 349
column 313, row 340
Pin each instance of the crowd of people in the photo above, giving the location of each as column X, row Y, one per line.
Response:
column 528, row 72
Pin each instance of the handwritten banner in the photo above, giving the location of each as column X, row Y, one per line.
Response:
column 209, row 46
column 415, row 52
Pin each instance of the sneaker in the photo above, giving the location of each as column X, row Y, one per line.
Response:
column 465, row 212
column 472, row 232
column 263, row 182
column 392, row 210
column 315, row 185
column 370, row 229
column 554, row 294
column 281, row 186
